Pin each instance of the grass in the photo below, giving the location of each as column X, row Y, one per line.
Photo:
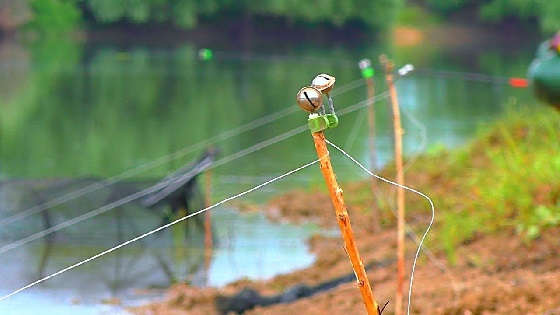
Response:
column 507, row 179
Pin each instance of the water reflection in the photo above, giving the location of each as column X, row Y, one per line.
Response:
column 245, row 246
column 83, row 110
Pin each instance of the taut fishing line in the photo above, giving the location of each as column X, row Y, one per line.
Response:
column 423, row 136
column 134, row 196
column 409, row 189
column 164, row 159
column 112, row 249
column 354, row 132
column 142, row 193
column 351, row 63
column 411, row 234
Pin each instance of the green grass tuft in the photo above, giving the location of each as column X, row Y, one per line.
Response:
column 507, row 179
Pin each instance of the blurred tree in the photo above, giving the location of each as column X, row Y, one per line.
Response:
column 546, row 12
column 54, row 15
column 59, row 14
column 375, row 14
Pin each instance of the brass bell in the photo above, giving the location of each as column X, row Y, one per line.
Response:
column 309, row 99
column 323, row 82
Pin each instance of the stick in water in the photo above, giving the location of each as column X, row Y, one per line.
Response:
column 208, row 244
column 367, row 74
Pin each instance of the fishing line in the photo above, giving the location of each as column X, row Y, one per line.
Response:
column 351, row 63
column 409, row 189
column 166, row 158
column 228, row 134
column 259, row 146
column 347, row 62
column 473, row 76
column 158, row 186
column 423, row 136
column 354, row 132
column 355, row 107
column 112, row 249
column 423, row 144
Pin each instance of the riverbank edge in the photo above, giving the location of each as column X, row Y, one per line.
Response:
column 495, row 263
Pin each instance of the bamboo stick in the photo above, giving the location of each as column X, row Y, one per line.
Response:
column 344, row 223
column 376, row 223
column 398, row 132
column 207, row 219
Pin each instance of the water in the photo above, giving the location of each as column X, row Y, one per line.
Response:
column 76, row 112
column 246, row 246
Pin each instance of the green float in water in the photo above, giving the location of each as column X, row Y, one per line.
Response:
column 545, row 71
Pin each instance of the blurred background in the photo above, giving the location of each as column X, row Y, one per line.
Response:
column 92, row 88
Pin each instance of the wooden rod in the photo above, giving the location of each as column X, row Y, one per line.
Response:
column 207, row 219
column 376, row 223
column 398, row 132
column 344, row 223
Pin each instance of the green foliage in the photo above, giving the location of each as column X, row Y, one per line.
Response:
column 508, row 178
column 456, row 229
column 376, row 14
column 546, row 12
column 54, row 15
column 412, row 15
column 60, row 14
column 541, row 218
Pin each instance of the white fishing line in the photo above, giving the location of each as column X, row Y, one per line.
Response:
column 166, row 158
column 112, row 249
column 423, row 137
column 142, row 193
column 355, row 131
column 137, row 170
column 409, row 189
column 423, row 144
column 134, row 196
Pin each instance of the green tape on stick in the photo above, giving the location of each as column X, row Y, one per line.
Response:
column 317, row 123
column 205, row 54
column 368, row 72
column 333, row 120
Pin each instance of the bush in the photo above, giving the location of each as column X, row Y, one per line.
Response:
column 54, row 15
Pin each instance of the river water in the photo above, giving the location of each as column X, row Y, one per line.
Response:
column 77, row 112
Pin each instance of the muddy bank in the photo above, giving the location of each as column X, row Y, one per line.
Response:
column 494, row 249
column 494, row 274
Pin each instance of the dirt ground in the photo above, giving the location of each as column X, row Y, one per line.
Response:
column 493, row 274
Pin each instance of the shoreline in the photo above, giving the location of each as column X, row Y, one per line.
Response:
column 497, row 269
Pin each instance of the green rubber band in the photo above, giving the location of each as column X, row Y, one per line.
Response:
column 206, row 54
column 333, row 120
column 321, row 122
column 318, row 123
